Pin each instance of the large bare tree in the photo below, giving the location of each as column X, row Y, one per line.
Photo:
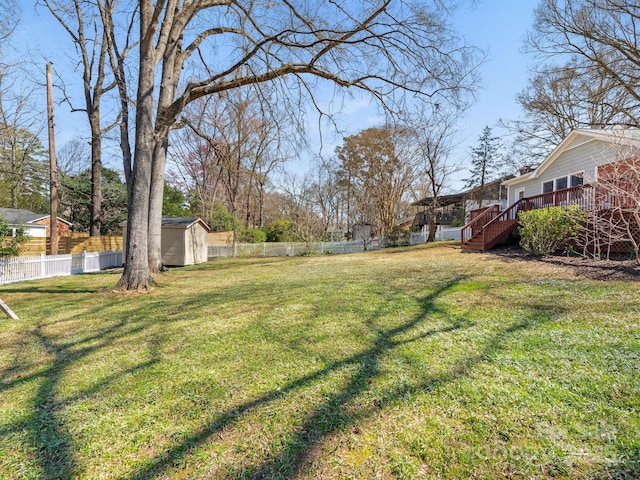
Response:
column 83, row 22
column 433, row 132
column 597, row 40
column 559, row 99
column 383, row 47
column 585, row 75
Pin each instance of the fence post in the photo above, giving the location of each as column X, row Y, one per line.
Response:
column 264, row 249
column 321, row 248
column 42, row 269
column 84, row 261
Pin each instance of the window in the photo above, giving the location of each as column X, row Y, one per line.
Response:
column 561, row 183
column 577, row 179
column 519, row 193
column 547, row 187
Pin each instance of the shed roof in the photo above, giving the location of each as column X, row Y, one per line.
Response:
column 16, row 216
column 179, row 222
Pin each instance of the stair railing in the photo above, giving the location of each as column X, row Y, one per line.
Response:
column 475, row 225
column 581, row 195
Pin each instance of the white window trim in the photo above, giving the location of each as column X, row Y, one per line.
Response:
column 517, row 193
column 575, row 174
column 554, row 181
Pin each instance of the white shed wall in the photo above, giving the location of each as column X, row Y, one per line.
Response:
column 173, row 246
column 198, row 243
column 181, row 246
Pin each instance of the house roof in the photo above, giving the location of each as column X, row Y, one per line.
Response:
column 16, row 216
column 623, row 136
column 444, row 200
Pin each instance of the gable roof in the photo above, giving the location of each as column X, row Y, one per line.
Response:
column 17, row 216
column 182, row 222
column 179, row 222
column 622, row 136
column 444, row 200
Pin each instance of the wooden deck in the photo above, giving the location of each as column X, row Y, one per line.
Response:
column 492, row 226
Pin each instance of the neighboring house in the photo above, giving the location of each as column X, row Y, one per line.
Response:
column 455, row 209
column 450, row 210
column 35, row 224
column 493, row 193
column 184, row 241
column 561, row 179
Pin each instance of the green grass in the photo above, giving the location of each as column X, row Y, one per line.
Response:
column 406, row 363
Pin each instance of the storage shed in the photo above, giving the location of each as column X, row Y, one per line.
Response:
column 184, row 241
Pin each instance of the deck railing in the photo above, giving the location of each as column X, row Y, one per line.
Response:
column 494, row 226
column 476, row 224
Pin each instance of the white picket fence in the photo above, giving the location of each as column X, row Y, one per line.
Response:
column 291, row 249
column 286, row 249
column 442, row 233
column 17, row 269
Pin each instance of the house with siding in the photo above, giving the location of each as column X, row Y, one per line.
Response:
column 35, row 224
column 561, row 179
column 458, row 207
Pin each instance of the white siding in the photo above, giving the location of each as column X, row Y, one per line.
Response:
column 580, row 156
column 34, row 231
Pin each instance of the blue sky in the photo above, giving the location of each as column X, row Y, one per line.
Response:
column 497, row 26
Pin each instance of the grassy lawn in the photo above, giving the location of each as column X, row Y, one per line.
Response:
column 405, row 363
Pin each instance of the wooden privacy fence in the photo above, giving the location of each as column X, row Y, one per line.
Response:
column 76, row 243
column 16, row 269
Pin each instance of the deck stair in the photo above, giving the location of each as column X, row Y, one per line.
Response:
column 492, row 226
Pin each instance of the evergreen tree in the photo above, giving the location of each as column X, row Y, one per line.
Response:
column 486, row 162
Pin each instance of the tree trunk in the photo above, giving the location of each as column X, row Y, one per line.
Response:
column 96, row 179
column 171, row 67
column 136, row 275
column 432, row 221
column 155, row 207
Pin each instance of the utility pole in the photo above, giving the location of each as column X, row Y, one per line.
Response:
column 53, row 170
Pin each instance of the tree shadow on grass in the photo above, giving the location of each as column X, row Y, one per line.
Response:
column 46, row 429
column 333, row 415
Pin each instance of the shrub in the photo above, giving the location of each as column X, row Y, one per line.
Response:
column 282, row 230
column 309, row 253
column 251, row 235
column 10, row 245
column 398, row 237
column 546, row 230
column 221, row 220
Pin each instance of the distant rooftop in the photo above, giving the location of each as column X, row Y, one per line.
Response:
column 17, row 216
